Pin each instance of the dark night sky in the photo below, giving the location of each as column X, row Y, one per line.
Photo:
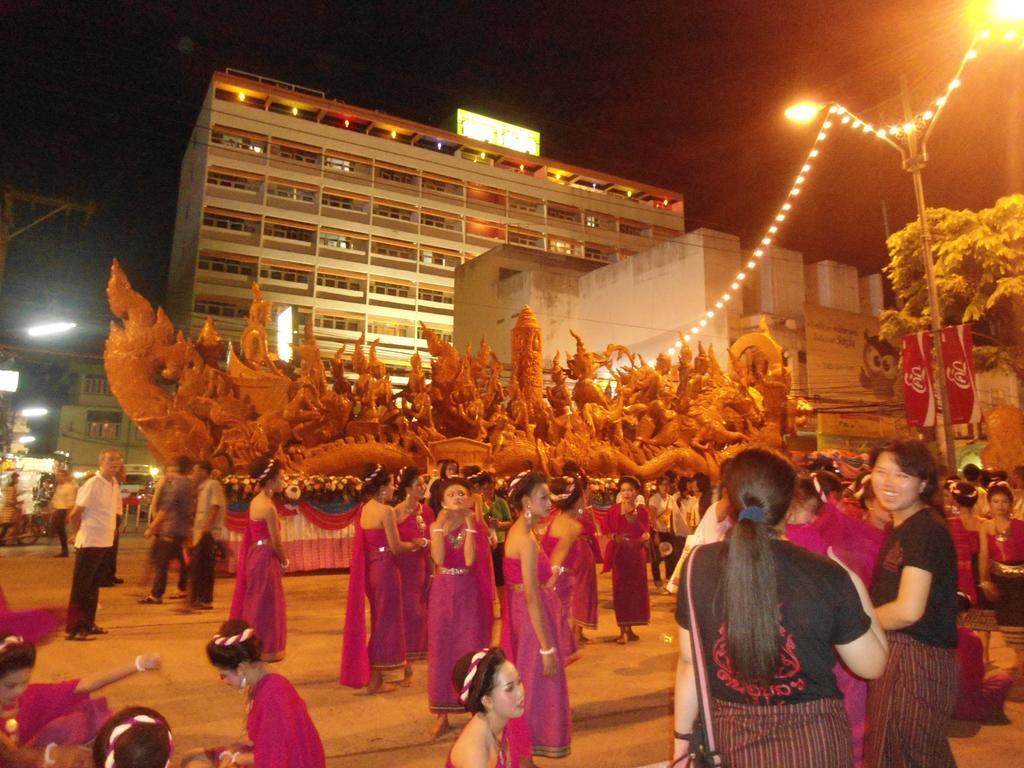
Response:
column 97, row 102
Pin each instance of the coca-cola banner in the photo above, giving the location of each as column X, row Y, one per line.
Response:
column 917, row 379
column 958, row 358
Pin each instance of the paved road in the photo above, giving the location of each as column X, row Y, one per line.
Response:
column 620, row 695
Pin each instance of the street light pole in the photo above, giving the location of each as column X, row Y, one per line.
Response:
column 915, row 157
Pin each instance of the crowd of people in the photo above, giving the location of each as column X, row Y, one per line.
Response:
column 821, row 621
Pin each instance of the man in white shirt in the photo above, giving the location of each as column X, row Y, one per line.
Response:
column 97, row 505
column 63, row 502
column 207, row 531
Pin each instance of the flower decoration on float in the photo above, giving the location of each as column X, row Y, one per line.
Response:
column 895, row 135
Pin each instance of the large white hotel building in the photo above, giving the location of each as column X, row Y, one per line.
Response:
column 358, row 219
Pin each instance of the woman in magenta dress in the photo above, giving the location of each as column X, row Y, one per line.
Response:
column 374, row 575
column 459, row 614
column 259, row 586
column 489, row 687
column 1002, row 568
column 629, row 526
column 44, row 723
column 280, row 732
column 584, row 591
column 562, row 546
column 414, row 518
column 529, row 634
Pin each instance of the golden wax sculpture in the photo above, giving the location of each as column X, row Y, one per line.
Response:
column 610, row 412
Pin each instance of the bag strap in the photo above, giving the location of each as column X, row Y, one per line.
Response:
column 697, row 654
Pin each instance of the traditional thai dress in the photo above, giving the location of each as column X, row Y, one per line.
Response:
column 503, row 755
column 548, row 718
column 458, row 618
column 279, row 726
column 584, row 592
column 967, row 544
column 415, row 569
column 1006, row 552
column 373, row 575
column 54, row 713
column 259, row 589
column 978, row 697
column 627, row 560
column 564, row 585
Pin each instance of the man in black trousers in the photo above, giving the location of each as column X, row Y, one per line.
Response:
column 97, row 506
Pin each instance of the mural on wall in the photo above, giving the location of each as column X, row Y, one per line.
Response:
column 610, row 411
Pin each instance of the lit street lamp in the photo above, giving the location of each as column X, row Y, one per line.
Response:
column 35, row 411
column 50, row 329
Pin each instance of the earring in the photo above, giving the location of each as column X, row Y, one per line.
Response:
column 528, row 515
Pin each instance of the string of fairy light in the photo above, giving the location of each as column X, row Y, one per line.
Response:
column 895, row 135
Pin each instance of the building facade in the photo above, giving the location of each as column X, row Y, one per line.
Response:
column 357, row 220
column 94, row 421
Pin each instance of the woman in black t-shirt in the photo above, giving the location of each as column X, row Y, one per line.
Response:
column 769, row 615
column 914, row 590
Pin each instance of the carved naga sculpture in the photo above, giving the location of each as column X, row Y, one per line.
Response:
column 641, row 419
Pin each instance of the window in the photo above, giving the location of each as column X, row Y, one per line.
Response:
column 563, row 214
column 439, row 258
column 389, row 328
column 631, row 228
column 590, row 220
column 338, row 323
column 225, row 137
column 347, row 165
column 390, row 289
column 103, row 424
column 226, row 266
column 342, row 242
column 395, row 251
column 565, row 247
column 288, row 192
column 286, row 275
column 218, row 179
column 295, row 155
column 218, row 308
column 435, row 294
column 440, row 222
column 398, row 177
column 526, row 205
column 527, row 239
column 95, row 384
column 275, row 229
column 334, row 200
column 340, row 282
column 441, row 186
column 392, row 212
column 229, row 222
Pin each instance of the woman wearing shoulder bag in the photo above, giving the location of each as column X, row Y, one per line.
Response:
column 767, row 652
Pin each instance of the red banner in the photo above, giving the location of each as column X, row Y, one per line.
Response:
column 958, row 359
column 236, row 520
column 917, row 379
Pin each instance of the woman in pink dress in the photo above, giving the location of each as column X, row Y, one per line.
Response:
column 584, row 591
column 491, row 691
column 562, row 546
column 529, row 634
column 414, row 518
column 280, row 732
column 459, row 614
column 629, row 526
column 259, row 586
column 1002, row 568
column 374, row 575
column 44, row 723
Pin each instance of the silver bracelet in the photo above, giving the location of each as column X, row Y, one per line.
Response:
column 48, row 758
column 547, row 651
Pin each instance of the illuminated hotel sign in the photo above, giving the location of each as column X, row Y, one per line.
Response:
column 493, row 131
